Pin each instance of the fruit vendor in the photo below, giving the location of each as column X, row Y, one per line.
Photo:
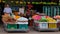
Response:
column 16, row 15
column 7, row 9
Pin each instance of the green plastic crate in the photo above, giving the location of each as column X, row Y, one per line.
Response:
column 11, row 26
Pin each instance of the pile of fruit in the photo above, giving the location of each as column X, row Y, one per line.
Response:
column 36, row 17
column 51, row 20
column 57, row 17
column 6, row 18
column 44, row 19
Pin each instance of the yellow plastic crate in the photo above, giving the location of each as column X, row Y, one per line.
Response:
column 52, row 25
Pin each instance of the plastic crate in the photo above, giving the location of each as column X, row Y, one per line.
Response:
column 11, row 26
column 23, row 26
column 52, row 25
column 58, row 23
column 43, row 25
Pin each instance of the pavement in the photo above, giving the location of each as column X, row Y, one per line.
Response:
column 30, row 32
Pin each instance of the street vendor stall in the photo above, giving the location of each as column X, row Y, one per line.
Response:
column 45, row 23
column 57, row 17
column 15, row 23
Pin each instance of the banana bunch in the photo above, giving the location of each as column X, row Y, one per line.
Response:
column 51, row 20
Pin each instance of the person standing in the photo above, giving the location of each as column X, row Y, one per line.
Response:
column 7, row 9
column 21, row 11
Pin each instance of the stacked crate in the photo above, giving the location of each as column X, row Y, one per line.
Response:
column 11, row 26
column 17, row 27
column 52, row 25
column 43, row 26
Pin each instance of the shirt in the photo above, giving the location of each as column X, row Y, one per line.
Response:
column 21, row 10
column 7, row 10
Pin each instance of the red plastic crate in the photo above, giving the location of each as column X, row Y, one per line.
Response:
column 58, row 24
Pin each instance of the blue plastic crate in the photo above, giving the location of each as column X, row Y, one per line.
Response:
column 23, row 26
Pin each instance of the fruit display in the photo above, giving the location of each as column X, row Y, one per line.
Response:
column 51, row 20
column 43, row 19
column 6, row 18
column 57, row 17
column 36, row 17
column 21, row 24
column 46, row 23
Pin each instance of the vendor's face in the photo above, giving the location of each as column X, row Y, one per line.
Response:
column 7, row 5
column 16, row 13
